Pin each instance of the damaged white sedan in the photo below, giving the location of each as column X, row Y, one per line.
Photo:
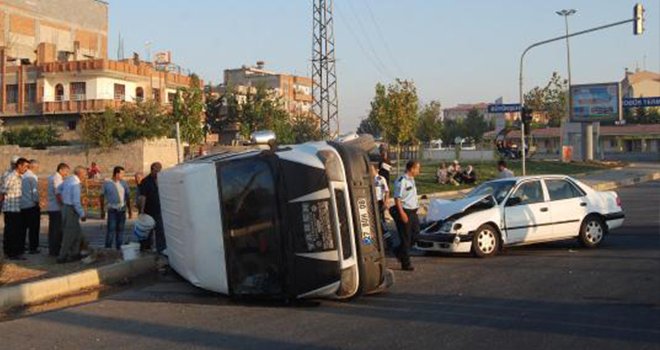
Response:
column 519, row 211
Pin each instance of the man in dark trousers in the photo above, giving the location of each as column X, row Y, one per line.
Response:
column 11, row 193
column 404, row 212
column 54, row 208
column 150, row 202
column 30, row 210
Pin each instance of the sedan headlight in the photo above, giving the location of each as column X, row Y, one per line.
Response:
column 450, row 227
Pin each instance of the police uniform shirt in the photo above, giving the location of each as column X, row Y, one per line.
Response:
column 381, row 187
column 406, row 191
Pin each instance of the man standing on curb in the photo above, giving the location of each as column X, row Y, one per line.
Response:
column 150, row 202
column 118, row 195
column 30, row 211
column 404, row 212
column 72, row 214
column 55, row 208
column 14, row 242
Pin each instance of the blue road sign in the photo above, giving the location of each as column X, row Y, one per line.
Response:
column 504, row 108
column 641, row 102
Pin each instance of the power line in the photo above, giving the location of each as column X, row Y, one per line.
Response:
column 365, row 52
column 368, row 40
column 379, row 31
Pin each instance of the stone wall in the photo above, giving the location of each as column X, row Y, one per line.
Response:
column 134, row 157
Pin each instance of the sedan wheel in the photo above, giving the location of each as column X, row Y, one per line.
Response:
column 486, row 242
column 592, row 232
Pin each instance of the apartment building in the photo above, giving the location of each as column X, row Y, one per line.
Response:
column 54, row 65
column 641, row 83
column 294, row 91
column 460, row 111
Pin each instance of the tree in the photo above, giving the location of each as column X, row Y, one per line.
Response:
column 451, row 129
column 369, row 126
column 142, row 120
column 429, row 126
column 306, row 128
column 258, row 110
column 550, row 100
column 395, row 109
column 35, row 136
column 475, row 126
column 188, row 110
column 98, row 129
column 132, row 122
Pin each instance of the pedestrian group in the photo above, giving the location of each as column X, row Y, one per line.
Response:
column 20, row 204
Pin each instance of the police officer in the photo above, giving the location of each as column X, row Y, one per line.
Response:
column 405, row 212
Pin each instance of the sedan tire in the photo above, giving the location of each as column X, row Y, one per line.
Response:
column 592, row 231
column 486, row 241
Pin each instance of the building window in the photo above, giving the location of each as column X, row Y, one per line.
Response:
column 59, row 92
column 78, row 91
column 31, row 93
column 171, row 97
column 71, row 125
column 155, row 94
column 12, row 93
column 139, row 94
column 120, row 92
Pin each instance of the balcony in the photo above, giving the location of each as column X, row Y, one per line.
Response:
column 80, row 106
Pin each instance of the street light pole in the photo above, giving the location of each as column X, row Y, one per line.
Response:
column 563, row 133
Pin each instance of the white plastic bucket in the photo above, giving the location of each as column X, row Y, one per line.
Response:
column 130, row 251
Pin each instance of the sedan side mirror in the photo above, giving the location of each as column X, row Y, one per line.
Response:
column 513, row 201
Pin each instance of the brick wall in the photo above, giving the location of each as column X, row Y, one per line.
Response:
column 136, row 156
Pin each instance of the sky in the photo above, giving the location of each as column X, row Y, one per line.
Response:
column 456, row 51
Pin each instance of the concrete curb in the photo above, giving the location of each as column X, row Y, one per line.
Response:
column 48, row 289
column 610, row 185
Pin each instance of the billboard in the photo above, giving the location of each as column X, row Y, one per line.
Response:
column 163, row 57
column 595, row 102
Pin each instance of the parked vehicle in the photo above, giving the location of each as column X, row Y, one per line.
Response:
column 519, row 211
column 286, row 222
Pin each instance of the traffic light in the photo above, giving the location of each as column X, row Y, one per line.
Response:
column 638, row 16
column 526, row 117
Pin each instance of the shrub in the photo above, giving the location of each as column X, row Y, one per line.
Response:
column 35, row 136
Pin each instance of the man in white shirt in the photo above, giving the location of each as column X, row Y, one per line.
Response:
column 30, row 210
column 54, row 208
column 72, row 214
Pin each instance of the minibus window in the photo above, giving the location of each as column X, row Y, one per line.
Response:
column 249, row 207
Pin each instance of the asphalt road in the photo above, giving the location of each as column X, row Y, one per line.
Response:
column 543, row 297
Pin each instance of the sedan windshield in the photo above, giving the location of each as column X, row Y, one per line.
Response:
column 499, row 189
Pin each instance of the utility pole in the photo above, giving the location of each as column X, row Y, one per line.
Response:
column 566, row 119
column 324, row 73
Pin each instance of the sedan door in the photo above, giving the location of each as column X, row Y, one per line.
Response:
column 568, row 205
column 527, row 217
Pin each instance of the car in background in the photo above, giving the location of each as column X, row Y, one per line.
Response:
column 520, row 211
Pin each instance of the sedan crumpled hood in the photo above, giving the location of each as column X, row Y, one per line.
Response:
column 440, row 209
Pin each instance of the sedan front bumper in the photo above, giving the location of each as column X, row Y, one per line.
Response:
column 444, row 242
